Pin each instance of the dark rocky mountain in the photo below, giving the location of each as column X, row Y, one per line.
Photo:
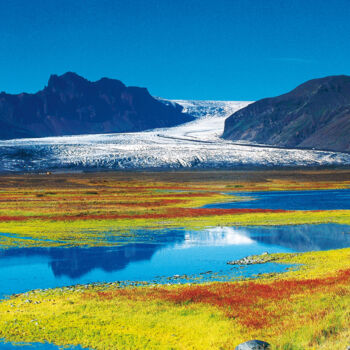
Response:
column 314, row 115
column 72, row 105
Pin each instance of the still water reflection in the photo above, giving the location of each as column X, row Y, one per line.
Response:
column 291, row 200
column 163, row 253
column 36, row 346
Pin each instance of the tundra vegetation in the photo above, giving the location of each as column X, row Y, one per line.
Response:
column 304, row 308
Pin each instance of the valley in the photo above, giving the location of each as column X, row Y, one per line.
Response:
column 193, row 145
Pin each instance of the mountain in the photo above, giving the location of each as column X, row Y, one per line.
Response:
column 194, row 145
column 316, row 114
column 71, row 105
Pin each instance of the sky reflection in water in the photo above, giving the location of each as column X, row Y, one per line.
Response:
column 163, row 253
column 291, row 200
column 36, row 346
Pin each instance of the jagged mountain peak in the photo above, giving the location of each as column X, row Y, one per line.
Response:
column 66, row 79
column 71, row 105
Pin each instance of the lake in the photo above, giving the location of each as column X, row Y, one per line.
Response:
column 167, row 253
column 178, row 255
column 290, row 200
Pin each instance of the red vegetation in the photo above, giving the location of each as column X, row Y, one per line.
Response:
column 171, row 213
column 13, row 218
column 197, row 212
column 249, row 302
column 192, row 194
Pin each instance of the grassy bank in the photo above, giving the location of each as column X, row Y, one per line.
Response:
column 306, row 308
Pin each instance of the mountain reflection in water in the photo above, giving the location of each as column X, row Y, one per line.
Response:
column 77, row 261
column 303, row 238
column 162, row 253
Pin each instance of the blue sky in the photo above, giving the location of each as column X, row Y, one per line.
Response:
column 189, row 49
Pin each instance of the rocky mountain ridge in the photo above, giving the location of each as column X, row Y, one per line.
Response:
column 316, row 114
column 72, row 105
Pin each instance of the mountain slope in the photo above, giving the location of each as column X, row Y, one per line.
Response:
column 314, row 115
column 72, row 105
column 197, row 144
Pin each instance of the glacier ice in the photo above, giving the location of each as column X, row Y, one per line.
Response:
column 196, row 144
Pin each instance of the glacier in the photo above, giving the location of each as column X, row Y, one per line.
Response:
column 196, row 144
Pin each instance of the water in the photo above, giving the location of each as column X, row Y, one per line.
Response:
column 154, row 256
column 291, row 200
column 37, row 346
column 165, row 254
